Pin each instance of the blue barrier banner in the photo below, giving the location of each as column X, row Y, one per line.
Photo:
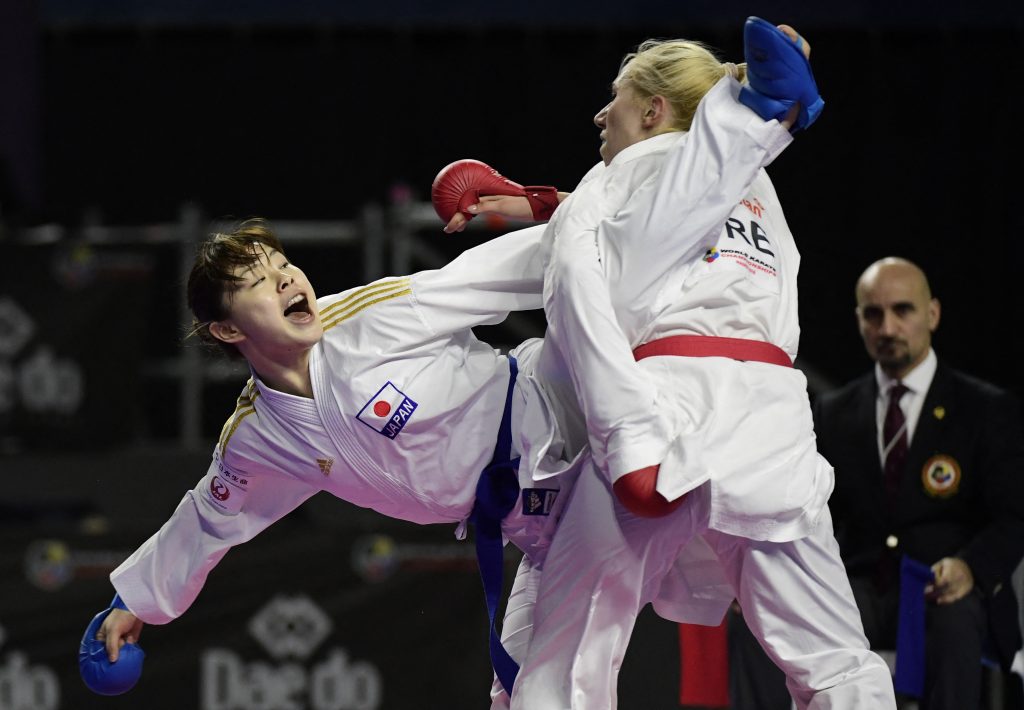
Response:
column 910, row 634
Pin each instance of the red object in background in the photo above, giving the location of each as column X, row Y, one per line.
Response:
column 704, row 676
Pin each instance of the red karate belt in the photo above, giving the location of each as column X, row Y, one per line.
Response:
column 713, row 346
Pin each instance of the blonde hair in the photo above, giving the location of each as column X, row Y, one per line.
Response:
column 680, row 70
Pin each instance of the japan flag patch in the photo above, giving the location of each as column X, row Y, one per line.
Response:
column 388, row 411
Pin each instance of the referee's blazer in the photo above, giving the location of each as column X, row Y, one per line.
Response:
column 961, row 494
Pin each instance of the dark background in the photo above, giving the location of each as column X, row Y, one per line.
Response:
column 119, row 113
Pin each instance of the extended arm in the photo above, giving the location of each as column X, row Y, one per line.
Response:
column 483, row 284
column 162, row 578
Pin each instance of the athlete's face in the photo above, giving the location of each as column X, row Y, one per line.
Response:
column 897, row 316
column 272, row 313
column 621, row 121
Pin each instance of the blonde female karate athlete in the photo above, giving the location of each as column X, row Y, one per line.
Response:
column 678, row 322
column 704, row 483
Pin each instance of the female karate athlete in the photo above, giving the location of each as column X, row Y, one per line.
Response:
column 380, row 395
column 677, row 321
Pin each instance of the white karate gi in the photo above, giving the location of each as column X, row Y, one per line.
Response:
column 637, row 253
column 405, row 413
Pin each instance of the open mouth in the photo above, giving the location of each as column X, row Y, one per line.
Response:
column 298, row 309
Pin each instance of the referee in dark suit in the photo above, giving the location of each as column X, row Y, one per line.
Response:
column 929, row 463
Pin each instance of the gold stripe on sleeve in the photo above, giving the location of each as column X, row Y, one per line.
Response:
column 245, row 406
column 362, row 294
column 363, row 298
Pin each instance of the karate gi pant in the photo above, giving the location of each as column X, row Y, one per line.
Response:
column 604, row 565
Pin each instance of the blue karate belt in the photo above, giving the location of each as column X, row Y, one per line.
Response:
column 910, row 632
column 496, row 494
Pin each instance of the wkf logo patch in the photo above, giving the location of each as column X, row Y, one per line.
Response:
column 941, row 476
column 539, row 501
column 388, row 411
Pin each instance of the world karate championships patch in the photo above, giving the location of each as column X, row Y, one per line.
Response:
column 388, row 411
column 941, row 476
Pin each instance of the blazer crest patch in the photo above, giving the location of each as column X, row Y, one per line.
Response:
column 941, row 476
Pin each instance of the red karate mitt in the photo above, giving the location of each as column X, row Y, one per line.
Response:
column 636, row 491
column 464, row 182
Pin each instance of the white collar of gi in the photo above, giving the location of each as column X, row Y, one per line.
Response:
column 302, row 408
column 660, row 142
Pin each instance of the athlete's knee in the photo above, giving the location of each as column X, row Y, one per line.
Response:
column 638, row 493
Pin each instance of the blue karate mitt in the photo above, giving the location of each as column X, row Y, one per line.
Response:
column 100, row 675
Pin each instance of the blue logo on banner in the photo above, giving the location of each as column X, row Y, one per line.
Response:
column 539, row 501
column 388, row 411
